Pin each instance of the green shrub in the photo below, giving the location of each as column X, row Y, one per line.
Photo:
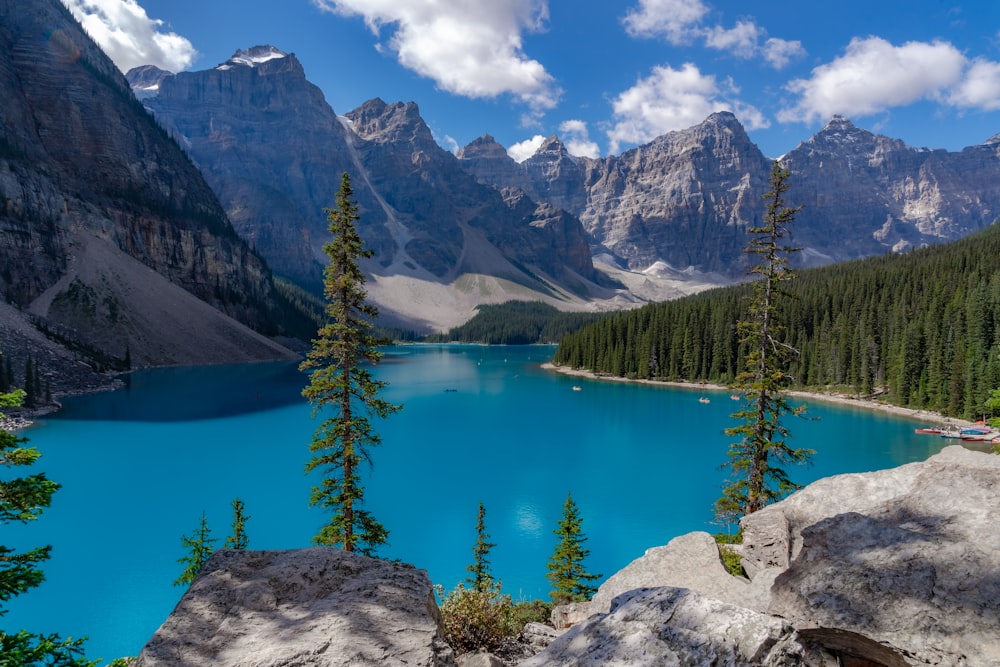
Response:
column 531, row 611
column 730, row 559
column 477, row 619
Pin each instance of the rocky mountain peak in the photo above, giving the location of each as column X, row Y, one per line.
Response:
column 842, row 137
column 723, row 120
column 390, row 123
column 485, row 147
column 146, row 79
column 254, row 56
column 552, row 148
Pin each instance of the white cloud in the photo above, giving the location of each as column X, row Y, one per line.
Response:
column 740, row 41
column 130, row 37
column 780, row 52
column 673, row 19
column 980, row 88
column 874, row 75
column 576, row 137
column 672, row 99
column 682, row 22
column 522, row 150
column 471, row 49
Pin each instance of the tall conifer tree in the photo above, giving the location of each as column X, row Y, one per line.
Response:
column 481, row 579
column 341, row 383
column 756, row 460
column 570, row 581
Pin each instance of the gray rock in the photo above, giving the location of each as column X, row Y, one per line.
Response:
column 567, row 615
column 689, row 561
column 538, row 635
column 479, row 659
column 907, row 557
column 675, row 626
column 317, row 607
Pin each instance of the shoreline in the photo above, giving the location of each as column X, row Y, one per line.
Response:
column 926, row 417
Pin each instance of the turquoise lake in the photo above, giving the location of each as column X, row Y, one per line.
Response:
column 479, row 424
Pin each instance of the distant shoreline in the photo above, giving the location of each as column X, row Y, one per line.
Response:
column 926, row 417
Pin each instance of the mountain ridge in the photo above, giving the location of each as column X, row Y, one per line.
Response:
column 660, row 220
column 85, row 173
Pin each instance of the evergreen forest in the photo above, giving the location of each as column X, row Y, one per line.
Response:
column 920, row 330
column 515, row 323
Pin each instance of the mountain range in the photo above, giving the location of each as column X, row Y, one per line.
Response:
column 451, row 231
column 141, row 217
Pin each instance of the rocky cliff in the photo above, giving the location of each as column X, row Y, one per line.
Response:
column 105, row 225
column 273, row 149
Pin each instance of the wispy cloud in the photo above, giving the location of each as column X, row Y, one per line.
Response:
column 671, row 19
column 673, row 99
column 130, row 37
column 469, row 49
column 684, row 22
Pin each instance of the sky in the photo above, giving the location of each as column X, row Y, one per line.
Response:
column 605, row 76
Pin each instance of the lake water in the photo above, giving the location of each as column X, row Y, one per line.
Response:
column 479, row 424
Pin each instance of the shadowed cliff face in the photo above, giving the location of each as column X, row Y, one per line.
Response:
column 82, row 163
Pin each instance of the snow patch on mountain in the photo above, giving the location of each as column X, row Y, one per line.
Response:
column 253, row 56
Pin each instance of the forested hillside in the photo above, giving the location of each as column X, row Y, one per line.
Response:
column 920, row 330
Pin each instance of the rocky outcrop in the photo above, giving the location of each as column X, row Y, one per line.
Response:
column 317, row 607
column 906, row 557
column 896, row 567
column 675, row 626
column 83, row 167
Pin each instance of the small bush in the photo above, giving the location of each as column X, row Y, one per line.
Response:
column 730, row 558
column 477, row 619
column 531, row 611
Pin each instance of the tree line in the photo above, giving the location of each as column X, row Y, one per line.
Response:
column 919, row 330
column 515, row 323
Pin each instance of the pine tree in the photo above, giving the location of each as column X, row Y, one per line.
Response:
column 199, row 546
column 481, row 579
column 238, row 538
column 22, row 500
column 570, row 581
column 340, row 381
column 756, row 459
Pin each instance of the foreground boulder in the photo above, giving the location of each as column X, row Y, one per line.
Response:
column 909, row 557
column 317, row 607
column 895, row 568
column 675, row 626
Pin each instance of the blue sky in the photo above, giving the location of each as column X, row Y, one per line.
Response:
column 605, row 76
